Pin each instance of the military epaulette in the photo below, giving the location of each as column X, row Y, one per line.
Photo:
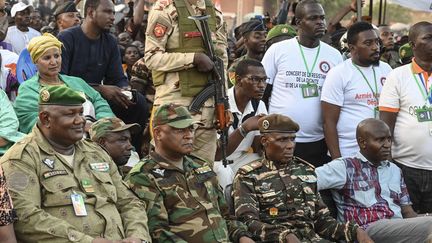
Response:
column 16, row 151
column 137, row 168
column 250, row 167
column 194, row 157
column 304, row 162
column 148, row 164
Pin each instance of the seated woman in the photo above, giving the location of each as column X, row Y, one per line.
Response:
column 45, row 52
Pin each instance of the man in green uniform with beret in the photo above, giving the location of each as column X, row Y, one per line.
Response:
column 280, row 32
column 277, row 197
column 66, row 189
column 185, row 201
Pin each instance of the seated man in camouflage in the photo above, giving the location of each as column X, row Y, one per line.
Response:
column 66, row 189
column 277, row 196
column 185, row 202
column 114, row 136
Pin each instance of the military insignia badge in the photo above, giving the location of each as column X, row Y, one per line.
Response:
column 160, row 172
column 284, row 30
column 46, row 161
column 45, row 95
column 101, row 167
column 266, row 186
column 273, row 211
column 52, row 173
column 159, row 30
column 266, row 124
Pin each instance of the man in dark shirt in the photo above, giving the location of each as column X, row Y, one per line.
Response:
column 91, row 52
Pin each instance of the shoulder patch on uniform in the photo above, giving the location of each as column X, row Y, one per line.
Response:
column 305, row 162
column 250, row 167
column 159, row 30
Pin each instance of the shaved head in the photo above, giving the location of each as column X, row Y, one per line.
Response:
column 300, row 9
column 416, row 29
column 370, row 126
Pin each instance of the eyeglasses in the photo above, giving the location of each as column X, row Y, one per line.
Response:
column 257, row 80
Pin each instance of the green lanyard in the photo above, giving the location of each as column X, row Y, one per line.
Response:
column 425, row 96
column 304, row 59
column 365, row 79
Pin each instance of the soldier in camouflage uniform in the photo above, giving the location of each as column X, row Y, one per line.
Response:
column 277, row 197
column 66, row 189
column 185, row 202
column 254, row 35
column 180, row 70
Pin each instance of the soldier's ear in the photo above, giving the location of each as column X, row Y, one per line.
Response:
column 157, row 133
column 44, row 118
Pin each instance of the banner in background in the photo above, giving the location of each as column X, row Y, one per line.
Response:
column 419, row 5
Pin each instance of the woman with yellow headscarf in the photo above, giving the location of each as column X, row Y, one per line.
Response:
column 45, row 52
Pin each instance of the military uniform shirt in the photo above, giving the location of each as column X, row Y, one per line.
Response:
column 276, row 202
column 162, row 34
column 183, row 205
column 41, row 184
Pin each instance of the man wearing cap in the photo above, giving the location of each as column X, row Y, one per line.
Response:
column 254, row 35
column 279, row 33
column 66, row 189
column 405, row 54
column 66, row 16
column 20, row 34
column 183, row 198
column 277, row 197
column 114, row 136
column 175, row 54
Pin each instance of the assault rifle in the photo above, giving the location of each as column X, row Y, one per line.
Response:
column 215, row 88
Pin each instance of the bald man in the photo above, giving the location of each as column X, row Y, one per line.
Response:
column 370, row 190
column 406, row 106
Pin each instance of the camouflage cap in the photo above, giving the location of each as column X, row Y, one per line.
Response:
column 60, row 95
column 280, row 30
column 174, row 116
column 111, row 124
column 277, row 123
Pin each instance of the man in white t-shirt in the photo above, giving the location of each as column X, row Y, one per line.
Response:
column 20, row 34
column 351, row 90
column 405, row 105
column 297, row 69
column 246, row 106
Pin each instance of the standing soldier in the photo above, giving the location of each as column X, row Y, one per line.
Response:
column 277, row 197
column 174, row 52
column 185, row 202
column 66, row 189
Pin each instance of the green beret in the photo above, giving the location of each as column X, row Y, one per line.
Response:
column 281, row 29
column 253, row 25
column 277, row 123
column 111, row 124
column 405, row 51
column 173, row 115
column 60, row 95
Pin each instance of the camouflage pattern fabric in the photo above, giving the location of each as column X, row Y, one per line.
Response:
column 183, row 206
column 275, row 202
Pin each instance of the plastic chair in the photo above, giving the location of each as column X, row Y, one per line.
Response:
column 25, row 68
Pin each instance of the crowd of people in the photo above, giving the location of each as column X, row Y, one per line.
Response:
column 326, row 128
